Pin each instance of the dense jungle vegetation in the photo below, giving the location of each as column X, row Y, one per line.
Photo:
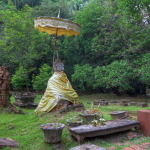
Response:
column 112, row 52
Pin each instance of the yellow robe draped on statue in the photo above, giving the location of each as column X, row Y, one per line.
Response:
column 58, row 87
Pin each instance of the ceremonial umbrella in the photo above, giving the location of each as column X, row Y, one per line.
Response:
column 58, row 26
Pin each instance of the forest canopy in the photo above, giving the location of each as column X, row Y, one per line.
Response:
column 111, row 54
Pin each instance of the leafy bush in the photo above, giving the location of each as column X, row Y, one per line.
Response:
column 117, row 75
column 144, row 69
column 83, row 76
column 39, row 82
column 20, row 79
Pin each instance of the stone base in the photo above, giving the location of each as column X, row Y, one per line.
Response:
column 64, row 106
column 88, row 147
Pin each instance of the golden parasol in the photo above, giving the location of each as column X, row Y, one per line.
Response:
column 58, row 26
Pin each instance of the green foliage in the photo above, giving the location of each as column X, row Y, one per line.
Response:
column 117, row 75
column 20, row 79
column 144, row 68
column 113, row 33
column 40, row 81
column 50, row 8
column 82, row 76
column 21, row 44
column 135, row 9
column 21, row 3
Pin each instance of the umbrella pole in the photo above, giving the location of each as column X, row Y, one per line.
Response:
column 56, row 37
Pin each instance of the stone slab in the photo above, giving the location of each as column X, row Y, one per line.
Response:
column 88, row 147
column 83, row 131
column 8, row 142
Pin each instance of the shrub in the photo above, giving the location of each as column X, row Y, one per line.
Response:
column 20, row 79
column 39, row 82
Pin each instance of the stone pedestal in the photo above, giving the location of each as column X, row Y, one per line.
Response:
column 144, row 118
column 52, row 132
column 117, row 114
column 25, row 99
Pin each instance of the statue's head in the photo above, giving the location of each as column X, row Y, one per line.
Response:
column 58, row 65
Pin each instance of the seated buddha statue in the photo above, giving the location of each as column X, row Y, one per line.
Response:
column 58, row 88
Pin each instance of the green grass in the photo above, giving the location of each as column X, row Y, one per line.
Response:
column 26, row 128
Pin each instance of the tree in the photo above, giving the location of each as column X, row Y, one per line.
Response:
column 134, row 10
column 21, row 44
column 19, row 4
column 83, row 76
column 143, row 68
column 50, row 8
column 117, row 76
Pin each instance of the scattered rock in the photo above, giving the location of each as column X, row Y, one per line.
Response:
column 8, row 142
column 113, row 101
column 88, row 147
column 23, row 130
column 136, row 147
column 119, row 144
column 58, row 146
column 112, row 147
column 145, row 145
column 12, row 109
column 128, row 148
column 131, row 135
column 133, row 103
column 11, row 126
column 123, row 104
column 96, row 102
column 143, row 104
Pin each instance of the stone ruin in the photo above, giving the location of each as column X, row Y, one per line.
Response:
column 4, row 92
column 4, row 87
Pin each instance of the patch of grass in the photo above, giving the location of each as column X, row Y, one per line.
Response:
column 26, row 128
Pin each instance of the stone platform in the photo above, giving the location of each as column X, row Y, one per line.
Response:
column 81, row 132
